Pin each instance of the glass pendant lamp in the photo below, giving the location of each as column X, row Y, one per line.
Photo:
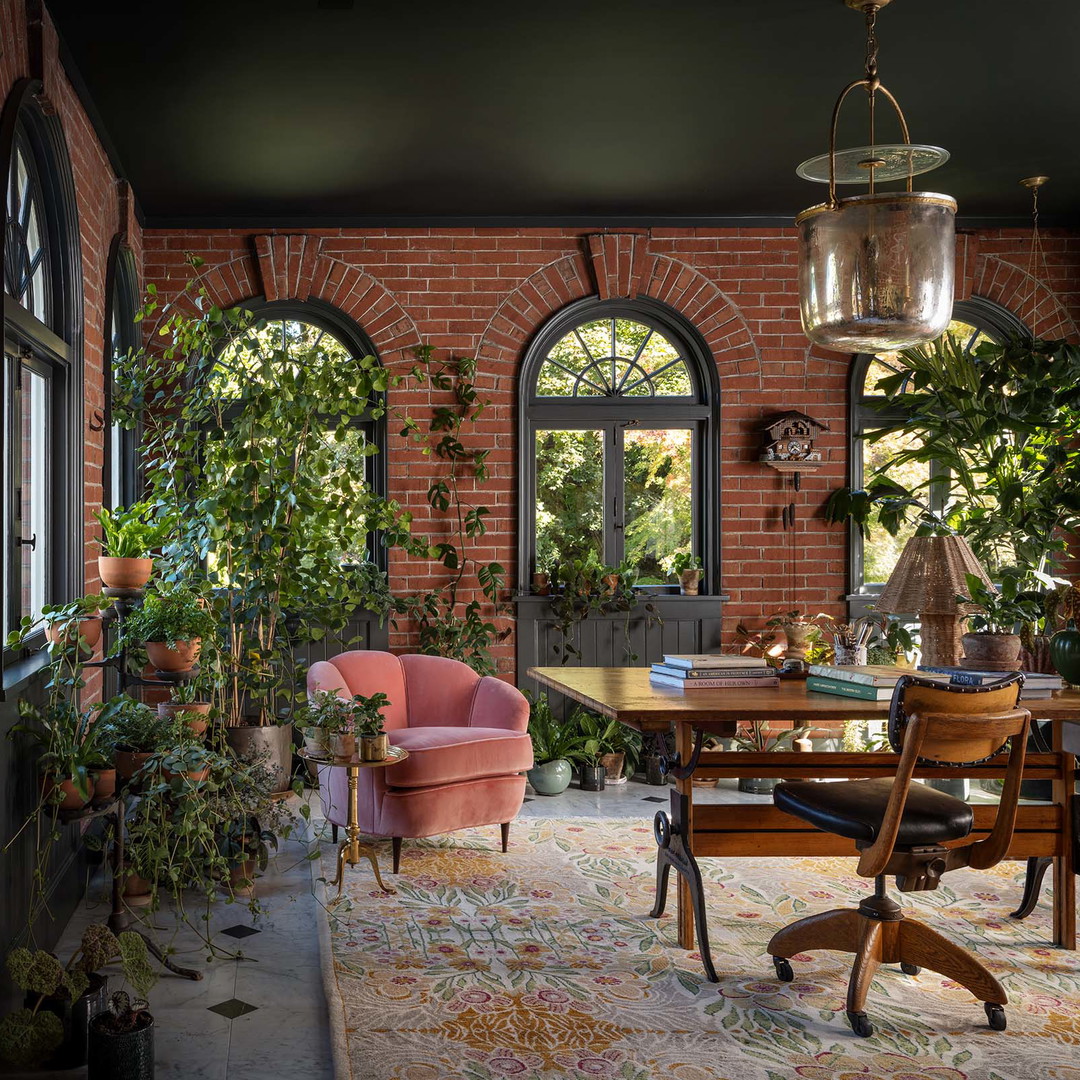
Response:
column 875, row 270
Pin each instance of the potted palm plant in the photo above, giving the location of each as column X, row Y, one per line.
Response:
column 129, row 538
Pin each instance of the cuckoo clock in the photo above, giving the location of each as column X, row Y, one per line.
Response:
column 789, row 444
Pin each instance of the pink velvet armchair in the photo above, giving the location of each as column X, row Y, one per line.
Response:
column 466, row 738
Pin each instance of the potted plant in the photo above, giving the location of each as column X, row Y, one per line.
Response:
column 801, row 632
column 247, row 846
column 591, row 770
column 135, row 732
column 188, row 701
column 72, row 627
column 368, row 720
column 757, row 738
column 555, row 746
column 129, row 537
column 61, row 1000
column 64, row 735
column 171, row 625
column 121, row 1041
column 188, row 762
column 612, row 739
column 687, row 567
column 992, row 642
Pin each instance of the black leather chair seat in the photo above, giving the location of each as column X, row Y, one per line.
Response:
column 855, row 809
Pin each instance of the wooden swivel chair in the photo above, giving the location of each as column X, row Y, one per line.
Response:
column 915, row 833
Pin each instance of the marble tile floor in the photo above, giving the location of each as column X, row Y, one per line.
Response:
column 265, row 1017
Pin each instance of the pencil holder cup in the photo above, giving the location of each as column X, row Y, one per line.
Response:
column 846, row 655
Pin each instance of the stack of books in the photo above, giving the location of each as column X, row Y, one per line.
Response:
column 688, row 671
column 1037, row 685
column 876, row 682
column 869, row 682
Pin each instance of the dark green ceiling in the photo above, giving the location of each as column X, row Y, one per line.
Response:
column 560, row 111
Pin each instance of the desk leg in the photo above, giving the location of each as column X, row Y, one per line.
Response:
column 1065, row 863
column 673, row 850
column 685, row 826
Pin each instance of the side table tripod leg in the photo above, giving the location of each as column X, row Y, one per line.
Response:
column 370, row 854
column 339, row 879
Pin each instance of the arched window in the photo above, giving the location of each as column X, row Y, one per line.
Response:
column 121, row 335
column 293, row 333
column 873, row 557
column 618, row 442
column 42, row 370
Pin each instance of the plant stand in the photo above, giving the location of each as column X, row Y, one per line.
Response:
column 120, row 917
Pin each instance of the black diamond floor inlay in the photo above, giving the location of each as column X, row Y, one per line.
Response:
column 240, row 931
column 653, row 798
column 233, row 1008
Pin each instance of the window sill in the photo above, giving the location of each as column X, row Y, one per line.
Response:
column 19, row 672
column 530, row 599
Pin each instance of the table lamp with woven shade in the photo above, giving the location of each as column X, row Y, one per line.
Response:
column 928, row 577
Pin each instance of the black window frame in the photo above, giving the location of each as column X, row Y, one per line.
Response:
column 120, row 482
column 699, row 411
column 54, row 347
column 987, row 317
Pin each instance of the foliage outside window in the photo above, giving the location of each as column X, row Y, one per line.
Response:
column 994, row 431
column 618, row 425
column 26, row 247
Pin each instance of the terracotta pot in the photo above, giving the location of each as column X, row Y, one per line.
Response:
column 690, row 582
column 89, row 633
column 611, row 581
column 182, row 658
column 992, row 648
column 242, row 878
column 342, row 746
column 72, row 799
column 104, row 783
column 195, row 714
column 194, row 776
column 541, row 584
column 129, row 762
column 375, row 748
column 124, row 573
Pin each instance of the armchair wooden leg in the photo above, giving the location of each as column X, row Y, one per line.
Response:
column 396, row 842
column 504, row 829
column 333, row 833
column 927, row 948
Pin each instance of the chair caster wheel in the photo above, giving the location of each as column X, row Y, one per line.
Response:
column 995, row 1016
column 783, row 969
column 910, row 969
column 860, row 1024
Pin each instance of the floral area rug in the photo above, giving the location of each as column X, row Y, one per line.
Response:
column 543, row 963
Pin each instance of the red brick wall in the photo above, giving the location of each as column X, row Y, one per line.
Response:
column 485, row 292
column 103, row 210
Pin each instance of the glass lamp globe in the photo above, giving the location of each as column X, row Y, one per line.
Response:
column 876, row 271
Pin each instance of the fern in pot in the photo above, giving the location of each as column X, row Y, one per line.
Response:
column 171, row 624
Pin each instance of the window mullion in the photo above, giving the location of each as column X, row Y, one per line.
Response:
column 614, row 495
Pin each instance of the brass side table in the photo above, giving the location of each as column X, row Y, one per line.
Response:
column 352, row 850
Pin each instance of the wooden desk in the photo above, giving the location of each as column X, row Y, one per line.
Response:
column 625, row 694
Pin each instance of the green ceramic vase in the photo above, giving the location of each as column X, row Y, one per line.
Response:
column 551, row 778
column 1065, row 653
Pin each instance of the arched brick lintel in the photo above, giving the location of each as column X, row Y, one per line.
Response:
column 621, row 265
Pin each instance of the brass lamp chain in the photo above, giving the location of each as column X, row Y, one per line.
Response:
column 872, row 84
column 1037, row 255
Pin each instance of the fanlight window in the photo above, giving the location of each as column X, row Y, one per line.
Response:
column 614, row 358
column 26, row 257
column 883, row 365
column 274, row 348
